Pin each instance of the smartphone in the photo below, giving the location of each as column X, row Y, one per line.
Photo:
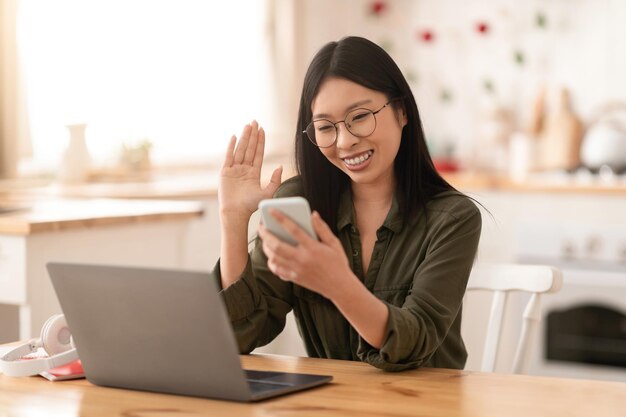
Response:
column 296, row 208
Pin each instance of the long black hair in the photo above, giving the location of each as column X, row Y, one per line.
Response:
column 363, row 62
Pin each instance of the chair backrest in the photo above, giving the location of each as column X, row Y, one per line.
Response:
column 502, row 279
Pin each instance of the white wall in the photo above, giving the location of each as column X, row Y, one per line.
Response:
column 581, row 47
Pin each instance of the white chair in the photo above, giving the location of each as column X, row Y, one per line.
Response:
column 502, row 279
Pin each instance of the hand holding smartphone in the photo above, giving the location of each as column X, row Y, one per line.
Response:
column 296, row 208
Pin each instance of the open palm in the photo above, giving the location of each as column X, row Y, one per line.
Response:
column 240, row 179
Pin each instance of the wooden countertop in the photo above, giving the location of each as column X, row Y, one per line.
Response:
column 45, row 215
column 357, row 389
column 194, row 185
column 199, row 184
column 536, row 183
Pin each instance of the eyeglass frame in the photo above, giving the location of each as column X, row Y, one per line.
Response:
column 374, row 113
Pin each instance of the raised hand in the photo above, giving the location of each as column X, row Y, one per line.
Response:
column 240, row 179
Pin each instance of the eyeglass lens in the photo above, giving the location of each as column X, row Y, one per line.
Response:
column 359, row 122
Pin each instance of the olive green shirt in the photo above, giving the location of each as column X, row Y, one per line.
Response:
column 419, row 268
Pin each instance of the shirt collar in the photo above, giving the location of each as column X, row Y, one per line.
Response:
column 395, row 218
column 346, row 215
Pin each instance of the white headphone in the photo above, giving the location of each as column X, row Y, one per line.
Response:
column 55, row 339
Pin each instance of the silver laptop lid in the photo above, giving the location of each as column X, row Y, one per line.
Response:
column 147, row 329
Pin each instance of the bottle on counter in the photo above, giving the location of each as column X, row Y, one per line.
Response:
column 523, row 145
column 561, row 136
column 76, row 160
column 495, row 126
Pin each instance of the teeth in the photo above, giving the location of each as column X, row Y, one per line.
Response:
column 358, row 160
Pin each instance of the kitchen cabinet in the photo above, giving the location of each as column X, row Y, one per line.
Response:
column 101, row 231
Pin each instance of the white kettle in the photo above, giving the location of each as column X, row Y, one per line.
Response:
column 605, row 140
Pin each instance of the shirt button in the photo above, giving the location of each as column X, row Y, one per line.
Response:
column 355, row 253
column 353, row 229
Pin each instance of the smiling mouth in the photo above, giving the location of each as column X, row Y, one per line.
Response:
column 358, row 160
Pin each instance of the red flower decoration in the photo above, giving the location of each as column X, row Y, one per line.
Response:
column 482, row 28
column 427, row 35
column 378, row 7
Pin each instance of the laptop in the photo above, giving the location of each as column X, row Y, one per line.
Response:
column 160, row 330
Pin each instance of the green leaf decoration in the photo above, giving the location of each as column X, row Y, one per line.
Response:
column 489, row 86
column 387, row 45
column 411, row 76
column 541, row 21
column 446, row 95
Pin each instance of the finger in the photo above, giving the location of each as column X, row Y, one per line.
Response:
column 260, row 150
column 265, row 235
column 288, row 274
column 275, row 270
column 267, row 250
column 274, row 183
column 252, row 144
column 268, row 241
column 228, row 160
column 292, row 227
column 323, row 231
column 283, row 272
column 276, row 246
column 240, row 151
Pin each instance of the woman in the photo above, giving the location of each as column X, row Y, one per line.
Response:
column 384, row 283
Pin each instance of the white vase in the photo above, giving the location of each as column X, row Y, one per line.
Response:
column 76, row 160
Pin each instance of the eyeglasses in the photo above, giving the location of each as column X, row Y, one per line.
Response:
column 359, row 122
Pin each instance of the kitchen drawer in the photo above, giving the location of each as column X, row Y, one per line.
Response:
column 12, row 270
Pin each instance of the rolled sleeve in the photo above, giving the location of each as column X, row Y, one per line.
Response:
column 242, row 297
column 257, row 303
column 394, row 355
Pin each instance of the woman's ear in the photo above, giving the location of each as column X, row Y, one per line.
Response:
column 402, row 117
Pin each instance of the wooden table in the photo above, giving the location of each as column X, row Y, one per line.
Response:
column 357, row 390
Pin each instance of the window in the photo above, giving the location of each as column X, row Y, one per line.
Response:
column 184, row 74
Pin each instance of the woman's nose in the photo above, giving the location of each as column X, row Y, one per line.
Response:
column 345, row 139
